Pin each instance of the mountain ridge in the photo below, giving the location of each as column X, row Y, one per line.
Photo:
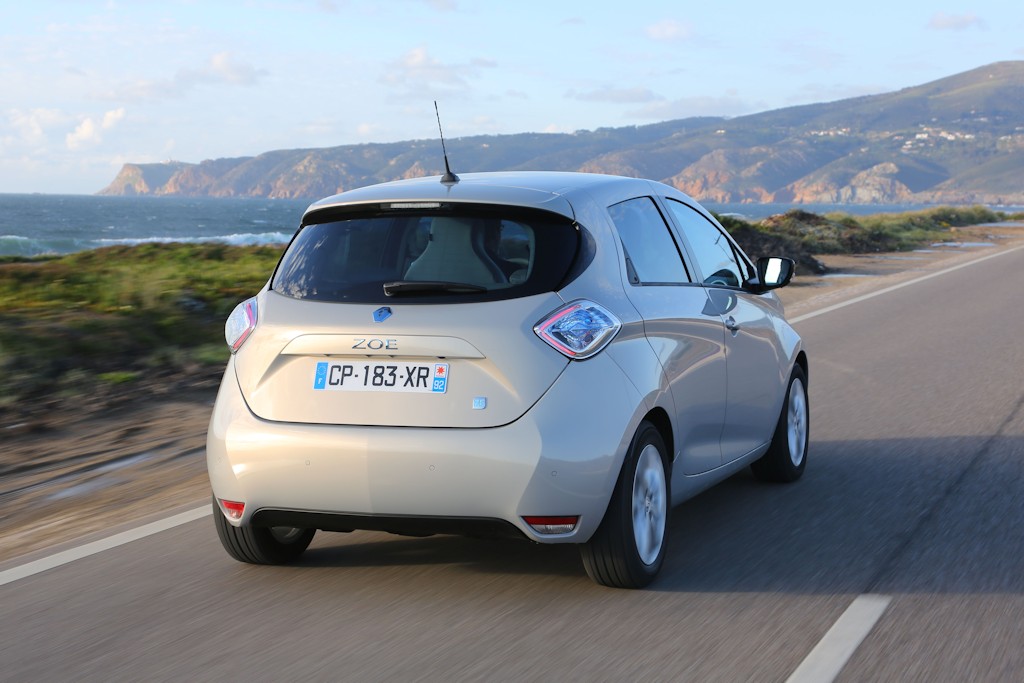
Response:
column 956, row 140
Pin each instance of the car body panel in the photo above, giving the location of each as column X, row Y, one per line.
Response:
column 690, row 347
column 560, row 459
column 757, row 371
column 509, row 370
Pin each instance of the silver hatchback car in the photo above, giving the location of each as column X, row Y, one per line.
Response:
column 558, row 357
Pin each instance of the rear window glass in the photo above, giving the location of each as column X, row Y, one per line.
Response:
column 457, row 255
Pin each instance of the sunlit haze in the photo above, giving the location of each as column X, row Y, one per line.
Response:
column 88, row 86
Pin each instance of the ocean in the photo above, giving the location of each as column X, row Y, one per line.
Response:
column 38, row 224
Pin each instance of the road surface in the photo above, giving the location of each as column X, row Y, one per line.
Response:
column 898, row 557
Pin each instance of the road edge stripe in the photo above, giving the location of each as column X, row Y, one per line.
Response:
column 900, row 285
column 103, row 544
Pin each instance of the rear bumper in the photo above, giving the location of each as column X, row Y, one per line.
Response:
column 395, row 524
column 561, row 458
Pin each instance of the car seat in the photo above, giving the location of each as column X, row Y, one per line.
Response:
column 455, row 253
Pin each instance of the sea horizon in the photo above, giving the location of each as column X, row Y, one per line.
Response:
column 39, row 224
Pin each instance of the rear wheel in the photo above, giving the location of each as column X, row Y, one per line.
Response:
column 787, row 455
column 628, row 549
column 261, row 545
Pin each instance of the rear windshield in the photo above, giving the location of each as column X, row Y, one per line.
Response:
column 451, row 254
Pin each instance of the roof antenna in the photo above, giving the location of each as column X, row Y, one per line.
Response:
column 448, row 178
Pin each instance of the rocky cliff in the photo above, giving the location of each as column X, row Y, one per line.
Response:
column 956, row 140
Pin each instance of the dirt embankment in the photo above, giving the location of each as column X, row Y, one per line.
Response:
column 89, row 466
column 76, row 474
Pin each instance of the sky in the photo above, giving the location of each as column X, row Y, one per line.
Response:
column 86, row 86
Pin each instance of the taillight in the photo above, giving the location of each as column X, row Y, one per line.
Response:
column 233, row 509
column 240, row 324
column 552, row 525
column 579, row 329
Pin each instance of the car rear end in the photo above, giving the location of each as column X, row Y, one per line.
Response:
column 414, row 365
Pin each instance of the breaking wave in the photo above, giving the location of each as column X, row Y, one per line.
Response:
column 20, row 245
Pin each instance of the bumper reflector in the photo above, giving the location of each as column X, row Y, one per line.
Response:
column 232, row 509
column 552, row 525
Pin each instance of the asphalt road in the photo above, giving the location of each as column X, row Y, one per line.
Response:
column 914, row 491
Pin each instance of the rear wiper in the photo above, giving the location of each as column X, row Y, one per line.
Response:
column 430, row 287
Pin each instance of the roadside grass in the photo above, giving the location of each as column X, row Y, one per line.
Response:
column 803, row 233
column 121, row 322
column 119, row 318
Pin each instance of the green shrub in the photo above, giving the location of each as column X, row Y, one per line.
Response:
column 101, row 316
column 118, row 376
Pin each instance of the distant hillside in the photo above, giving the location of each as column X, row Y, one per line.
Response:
column 956, row 140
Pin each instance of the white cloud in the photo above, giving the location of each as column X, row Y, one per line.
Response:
column 417, row 67
column 670, row 30
column 367, row 130
column 666, row 110
column 484, row 123
column 221, row 69
column 84, row 135
column 436, row 5
column 88, row 133
column 30, row 126
column 819, row 92
column 941, row 21
column 319, row 128
column 419, row 74
column 615, row 95
column 112, row 118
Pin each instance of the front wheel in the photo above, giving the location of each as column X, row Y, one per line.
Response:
column 628, row 549
column 261, row 545
column 786, row 457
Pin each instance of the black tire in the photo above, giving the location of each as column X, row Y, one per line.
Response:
column 786, row 457
column 261, row 545
column 615, row 556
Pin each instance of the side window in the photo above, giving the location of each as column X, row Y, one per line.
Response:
column 712, row 249
column 651, row 253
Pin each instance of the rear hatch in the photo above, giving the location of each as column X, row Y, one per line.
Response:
column 410, row 318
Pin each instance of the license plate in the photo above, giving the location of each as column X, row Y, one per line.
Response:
column 421, row 378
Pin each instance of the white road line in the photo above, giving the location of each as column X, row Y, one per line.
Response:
column 893, row 288
column 832, row 652
column 66, row 556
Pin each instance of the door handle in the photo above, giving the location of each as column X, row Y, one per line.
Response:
column 732, row 325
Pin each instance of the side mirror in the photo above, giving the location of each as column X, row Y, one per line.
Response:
column 772, row 272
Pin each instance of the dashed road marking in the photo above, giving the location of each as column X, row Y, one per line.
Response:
column 830, row 655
